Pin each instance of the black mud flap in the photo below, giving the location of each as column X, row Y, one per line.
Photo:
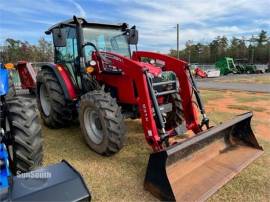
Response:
column 196, row 168
column 58, row 182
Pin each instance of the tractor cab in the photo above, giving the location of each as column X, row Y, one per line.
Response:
column 76, row 39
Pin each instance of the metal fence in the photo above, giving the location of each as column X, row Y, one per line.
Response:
column 262, row 67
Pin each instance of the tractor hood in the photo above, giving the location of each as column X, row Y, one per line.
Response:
column 152, row 69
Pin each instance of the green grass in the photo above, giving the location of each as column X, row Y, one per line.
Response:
column 248, row 99
column 252, row 97
column 211, row 95
column 246, row 108
column 219, row 117
column 116, row 178
column 120, row 177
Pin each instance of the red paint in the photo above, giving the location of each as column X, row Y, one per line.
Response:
column 67, row 80
column 132, row 76
column 124, row 94
column 179, row 67
column 199, row 72
column 132, row 73
column 27, row 75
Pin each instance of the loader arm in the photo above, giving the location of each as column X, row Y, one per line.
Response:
column 185, row 90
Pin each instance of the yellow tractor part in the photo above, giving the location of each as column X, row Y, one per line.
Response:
column 9, row 66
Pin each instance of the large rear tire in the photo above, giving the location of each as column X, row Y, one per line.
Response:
column 27, row 151
column 102, row 123
column 51, row 102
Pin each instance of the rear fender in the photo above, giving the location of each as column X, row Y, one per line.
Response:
column 64, row 79
column 27, row 75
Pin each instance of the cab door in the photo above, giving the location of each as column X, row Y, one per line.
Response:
column 68, row 55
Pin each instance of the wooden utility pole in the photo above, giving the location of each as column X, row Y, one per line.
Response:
column 177, row 27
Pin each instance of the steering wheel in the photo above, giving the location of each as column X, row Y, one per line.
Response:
column 102, row 58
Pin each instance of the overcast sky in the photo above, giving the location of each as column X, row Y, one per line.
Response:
column 200, row 21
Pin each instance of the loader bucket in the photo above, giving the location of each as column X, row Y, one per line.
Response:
column 195, row 169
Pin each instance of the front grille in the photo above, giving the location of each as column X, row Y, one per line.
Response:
column 166, row 82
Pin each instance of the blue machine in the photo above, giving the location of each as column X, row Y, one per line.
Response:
column 3, row 80
column 4, row 164
column 4, row 170
column 63, row 184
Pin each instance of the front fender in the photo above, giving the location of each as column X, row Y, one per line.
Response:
column 64, row 79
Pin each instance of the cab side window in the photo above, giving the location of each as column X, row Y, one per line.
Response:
column 68, row 53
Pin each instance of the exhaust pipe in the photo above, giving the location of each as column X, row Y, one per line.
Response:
column 195, row 169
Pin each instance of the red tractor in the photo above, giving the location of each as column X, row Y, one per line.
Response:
column 97, row 77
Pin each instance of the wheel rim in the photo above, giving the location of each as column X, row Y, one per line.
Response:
column 44, row 100
column 93, row 125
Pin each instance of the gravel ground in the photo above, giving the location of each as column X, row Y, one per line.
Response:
column 243, row 82
column 262, row 88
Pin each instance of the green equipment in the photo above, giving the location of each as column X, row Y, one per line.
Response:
column 226, row 66
column 247, row 67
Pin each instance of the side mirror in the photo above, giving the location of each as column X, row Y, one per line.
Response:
column 133, row 36
column 59, row 37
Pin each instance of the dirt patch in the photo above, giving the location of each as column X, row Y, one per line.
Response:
column 263, row 131
column 229, row 106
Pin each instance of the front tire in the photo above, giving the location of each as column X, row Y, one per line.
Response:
column 176, row 116
column 27, row 151
column 51, row 102
column 102, row 123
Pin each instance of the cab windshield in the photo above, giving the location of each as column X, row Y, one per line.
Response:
column 106, row 39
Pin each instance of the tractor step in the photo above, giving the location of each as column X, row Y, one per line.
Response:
column 166, row 92
column 164, row 83
column 196, row 168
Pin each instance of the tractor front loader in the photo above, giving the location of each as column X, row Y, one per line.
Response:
column 97, row 78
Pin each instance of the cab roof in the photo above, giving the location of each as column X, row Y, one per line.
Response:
column 85, row 23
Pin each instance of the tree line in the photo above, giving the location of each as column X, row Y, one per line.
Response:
column 253, row 49
column 16, row 50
